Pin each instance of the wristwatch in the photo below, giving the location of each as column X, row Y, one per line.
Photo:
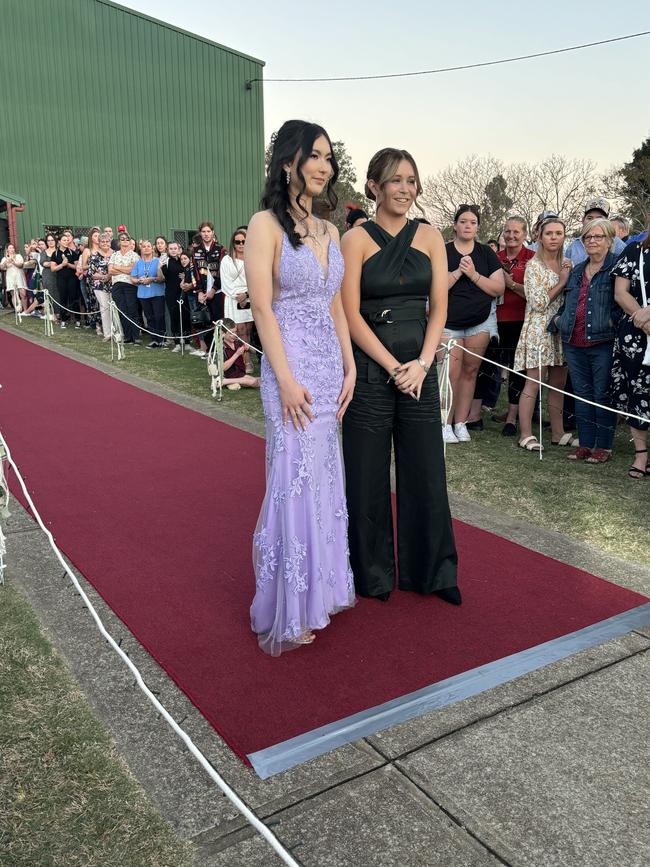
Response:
column 426, row 367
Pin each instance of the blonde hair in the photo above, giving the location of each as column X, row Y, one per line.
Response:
column 539, row 253
column 383, row 166
column 603, row 223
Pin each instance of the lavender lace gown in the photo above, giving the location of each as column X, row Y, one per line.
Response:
column 300, row 546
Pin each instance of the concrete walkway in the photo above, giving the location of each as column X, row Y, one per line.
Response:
column 549, row 769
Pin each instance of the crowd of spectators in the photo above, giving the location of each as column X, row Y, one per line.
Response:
column 166, row 293
column 575, row 312
column 577, row 309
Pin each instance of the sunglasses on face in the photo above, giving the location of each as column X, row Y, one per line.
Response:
column 240, row 243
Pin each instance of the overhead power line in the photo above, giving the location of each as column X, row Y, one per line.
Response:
column 454, row 68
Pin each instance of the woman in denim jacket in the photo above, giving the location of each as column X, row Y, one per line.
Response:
column 584, row 322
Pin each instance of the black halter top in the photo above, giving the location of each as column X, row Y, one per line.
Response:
column 397, row 272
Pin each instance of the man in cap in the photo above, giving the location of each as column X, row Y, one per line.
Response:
column 594, row 208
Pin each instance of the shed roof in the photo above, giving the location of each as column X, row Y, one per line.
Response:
column 11, row 199
column 180, row 30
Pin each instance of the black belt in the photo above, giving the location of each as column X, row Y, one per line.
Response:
column 388, row 315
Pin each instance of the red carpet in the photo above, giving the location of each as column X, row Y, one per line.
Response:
column 155, row 504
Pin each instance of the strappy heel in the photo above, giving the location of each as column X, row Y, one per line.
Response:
column 635, row 472
column 305, row 638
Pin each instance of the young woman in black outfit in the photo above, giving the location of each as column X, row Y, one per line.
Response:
column 393, row 266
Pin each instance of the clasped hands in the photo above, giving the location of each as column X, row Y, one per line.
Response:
column 409, row 378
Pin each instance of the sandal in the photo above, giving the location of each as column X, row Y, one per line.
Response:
column 582, row 453
column 565, row 440
column 635, row 472
column 305, row 638
column 599, row 456
column 531, row 444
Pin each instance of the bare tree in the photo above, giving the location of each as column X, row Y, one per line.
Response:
column 556, row 184
column 465, row 182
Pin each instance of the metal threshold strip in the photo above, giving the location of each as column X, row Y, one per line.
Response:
column 295, row 751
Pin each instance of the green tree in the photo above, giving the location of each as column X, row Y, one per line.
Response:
column 635, row 184
column 496, row 206
column 345, row 188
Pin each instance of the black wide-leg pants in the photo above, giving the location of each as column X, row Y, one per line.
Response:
column 379, row 417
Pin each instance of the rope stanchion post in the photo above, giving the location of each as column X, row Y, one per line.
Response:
column 539, row 399
column 48, row 314
column 446, row 393
column 18, row 309
column 232, row 796
column 180, row 325
column 117, row 335
column 215, row 361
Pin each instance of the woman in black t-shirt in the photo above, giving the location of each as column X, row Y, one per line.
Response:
column 475, row 281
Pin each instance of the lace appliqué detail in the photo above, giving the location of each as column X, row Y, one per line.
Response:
column 295, row 578
column 268, row 556
column 304, row 466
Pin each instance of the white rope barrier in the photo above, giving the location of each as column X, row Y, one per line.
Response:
column 446, row 348
column 621, row 412
column 137, row 324
column 4, row 511
column 232, row 796
column 164, row 336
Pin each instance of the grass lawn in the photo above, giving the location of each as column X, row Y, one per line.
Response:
column 597, row 504
column 66, row 797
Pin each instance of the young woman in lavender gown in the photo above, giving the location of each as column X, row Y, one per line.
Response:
column 294, row 271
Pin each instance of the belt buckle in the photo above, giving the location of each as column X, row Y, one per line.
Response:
column 385, row 313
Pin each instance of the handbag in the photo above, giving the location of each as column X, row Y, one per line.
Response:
column 200, row 316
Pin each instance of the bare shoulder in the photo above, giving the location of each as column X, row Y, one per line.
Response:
column 355, row 239
column 264, row 220
column 333, row 232
column 429, row 234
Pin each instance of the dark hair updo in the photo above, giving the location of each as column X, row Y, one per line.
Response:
column 464, row 209
column 295, row 137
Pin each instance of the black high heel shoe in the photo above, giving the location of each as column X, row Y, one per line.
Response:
column 450, row 594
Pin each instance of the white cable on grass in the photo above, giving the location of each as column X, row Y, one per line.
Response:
column 232, row 796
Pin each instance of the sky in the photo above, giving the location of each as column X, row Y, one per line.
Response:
column 588, row 104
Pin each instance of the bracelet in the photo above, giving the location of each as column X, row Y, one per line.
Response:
column 478, row 277
column 426, row 367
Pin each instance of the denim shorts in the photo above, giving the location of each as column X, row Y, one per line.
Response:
column 490, row 325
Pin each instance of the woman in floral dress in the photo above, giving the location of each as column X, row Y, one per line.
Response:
column 544, row 281
column 630, row 375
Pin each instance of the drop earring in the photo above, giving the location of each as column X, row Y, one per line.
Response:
column 288, row 177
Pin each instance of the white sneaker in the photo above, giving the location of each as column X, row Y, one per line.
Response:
column 198, row 353
column 448, row 435
column 177, row 348
column 461, row 433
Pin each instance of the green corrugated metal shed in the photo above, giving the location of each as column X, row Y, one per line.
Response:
column 114, row 117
